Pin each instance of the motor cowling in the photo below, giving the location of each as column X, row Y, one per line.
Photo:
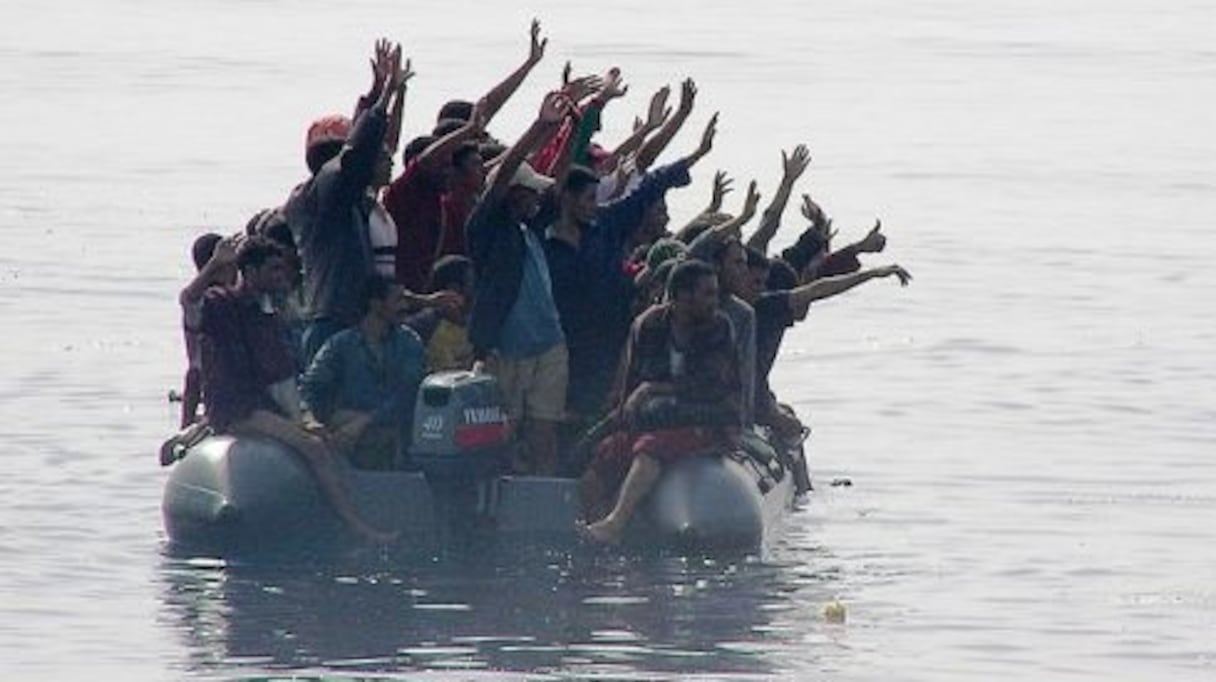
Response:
column 461, row 427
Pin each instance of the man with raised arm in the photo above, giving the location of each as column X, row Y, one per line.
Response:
column 514, row 325
column 585, row 249
column 328, row 215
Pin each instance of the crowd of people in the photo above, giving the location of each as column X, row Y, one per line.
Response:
column 619, row 345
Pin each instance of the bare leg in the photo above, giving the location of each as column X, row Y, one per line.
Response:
column 643, row 473
column 592, row 495
column 320, row 462
column 540, row 439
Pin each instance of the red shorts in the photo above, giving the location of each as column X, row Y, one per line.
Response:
column 615, row 454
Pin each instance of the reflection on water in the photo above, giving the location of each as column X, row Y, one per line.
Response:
column 582, row 613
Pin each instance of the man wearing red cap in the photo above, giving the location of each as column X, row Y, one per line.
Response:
column 328, row 214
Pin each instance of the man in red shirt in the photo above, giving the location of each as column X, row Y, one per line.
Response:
column 415, row 200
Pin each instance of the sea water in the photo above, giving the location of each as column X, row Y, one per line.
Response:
column 1028, row 428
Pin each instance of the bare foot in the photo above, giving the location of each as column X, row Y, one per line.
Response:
column 376, row 536
column 602, row 532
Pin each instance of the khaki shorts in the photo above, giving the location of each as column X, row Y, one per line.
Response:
column 535, row 387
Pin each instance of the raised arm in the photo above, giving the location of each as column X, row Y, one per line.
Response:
column 827, row 287
column 656, row 115
column 552, row 111
column 392, row 137
column 223, row 257
column 793, row 165
column 650, row 150
column 499, row 94
column 441, row 150
column 734, row 226
column 357, row 160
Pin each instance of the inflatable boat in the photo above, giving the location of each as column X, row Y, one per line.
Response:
column 231, row 496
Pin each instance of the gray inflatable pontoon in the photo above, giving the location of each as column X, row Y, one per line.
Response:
column 232, row 496
column 235, row 495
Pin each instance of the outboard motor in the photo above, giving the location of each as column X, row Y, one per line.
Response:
column 461, row 442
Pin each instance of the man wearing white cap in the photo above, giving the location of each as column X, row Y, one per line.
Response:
column 514, row 325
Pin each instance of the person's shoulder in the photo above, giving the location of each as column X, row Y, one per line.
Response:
column 340, row 341
column 653, row 317
column 409, row 337
column 772, row 302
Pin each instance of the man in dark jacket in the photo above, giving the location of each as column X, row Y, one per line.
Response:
column 514, row 326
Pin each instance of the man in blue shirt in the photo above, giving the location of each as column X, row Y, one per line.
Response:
column 362, row 384
column 514, row 326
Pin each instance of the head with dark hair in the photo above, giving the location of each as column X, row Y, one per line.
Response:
column 415, row 147
column 256, row 252
column 381, row 296
column 809, row 245
column 468, row 171
column 264, row 266
column 203, row 247
column 437, row 173
column 319, row 154
column 654, row 221
column 459, row 109
column 578, row 195
column 700, row 224
column 491, row 150
column 692, row 289
column 781, row 276
column 757, row 271
column 453, row 273
column 447, row 126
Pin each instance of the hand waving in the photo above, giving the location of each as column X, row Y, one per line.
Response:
column 659, row 111
column 536, row 49
column 688, row 95
column 903, row 275
column 794, row 164
column 874, row 241
column 722, row 187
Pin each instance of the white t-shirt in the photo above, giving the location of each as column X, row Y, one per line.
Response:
column 382, row 234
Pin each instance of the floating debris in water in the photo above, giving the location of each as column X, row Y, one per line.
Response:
column 842, row 483
column 834, row 612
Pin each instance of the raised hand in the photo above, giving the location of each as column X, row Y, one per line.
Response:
column 722, row 187
column 707, row 137
column 381, row 53
column 226, row 250
column 536, row 50
column 659, row 111
column 795, row 164
column 751, row 203
column 580, row 88
column 688, row 95
column 813, row 213
column 874, row 241
column 398, row 76
column 613, row 86
column 903, row 275
column 555, row 107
